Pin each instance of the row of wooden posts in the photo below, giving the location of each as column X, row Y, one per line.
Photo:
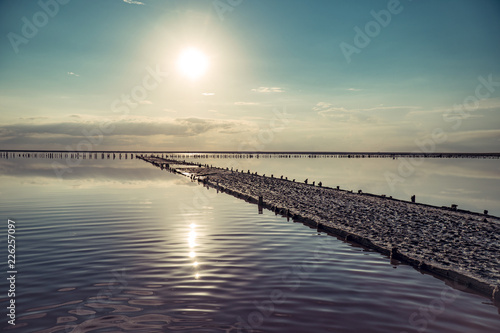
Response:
column 261, row 201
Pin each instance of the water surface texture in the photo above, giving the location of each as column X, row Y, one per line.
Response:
column 121, row 246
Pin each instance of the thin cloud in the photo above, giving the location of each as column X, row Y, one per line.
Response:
column 491, row 104
column 323, row 107
column 338, row 114
column 141, row 126
column 353, row 89
column 245, row 103
column 269, row 90
column 33, row 118
column 328, row 110
column 74, row 74
column 401, row 107
column 208, row 94
column 133, row 2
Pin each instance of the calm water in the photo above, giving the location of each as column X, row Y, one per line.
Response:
column 121, row 246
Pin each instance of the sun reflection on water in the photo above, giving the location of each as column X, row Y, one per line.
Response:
column 192, row 244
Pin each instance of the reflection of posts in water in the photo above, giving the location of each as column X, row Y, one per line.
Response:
column 261, row 203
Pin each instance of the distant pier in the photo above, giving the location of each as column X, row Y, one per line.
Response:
column 448, row 242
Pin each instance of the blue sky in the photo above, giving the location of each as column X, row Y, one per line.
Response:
column 277, row 77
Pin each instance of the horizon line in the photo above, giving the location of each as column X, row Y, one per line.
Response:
column 255, row 152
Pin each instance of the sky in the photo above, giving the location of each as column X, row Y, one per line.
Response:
column 267, row 75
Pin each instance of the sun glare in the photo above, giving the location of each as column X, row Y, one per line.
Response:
column 192, row 63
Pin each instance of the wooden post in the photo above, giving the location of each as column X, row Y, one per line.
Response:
column 394, row 252
column 496, row 294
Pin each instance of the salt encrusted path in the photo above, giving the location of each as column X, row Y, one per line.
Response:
column 458, row 245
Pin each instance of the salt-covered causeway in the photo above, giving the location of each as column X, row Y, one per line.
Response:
column 457, row 245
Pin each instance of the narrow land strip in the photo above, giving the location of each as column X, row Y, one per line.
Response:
column 457, row 245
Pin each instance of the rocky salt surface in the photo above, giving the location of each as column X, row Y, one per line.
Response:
column 458, row 245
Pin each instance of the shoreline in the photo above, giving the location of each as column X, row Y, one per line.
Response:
column 450, row 243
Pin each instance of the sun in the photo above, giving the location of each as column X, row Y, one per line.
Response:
column 192, row 63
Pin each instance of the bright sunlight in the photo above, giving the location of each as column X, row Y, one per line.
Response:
column 192, row 63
